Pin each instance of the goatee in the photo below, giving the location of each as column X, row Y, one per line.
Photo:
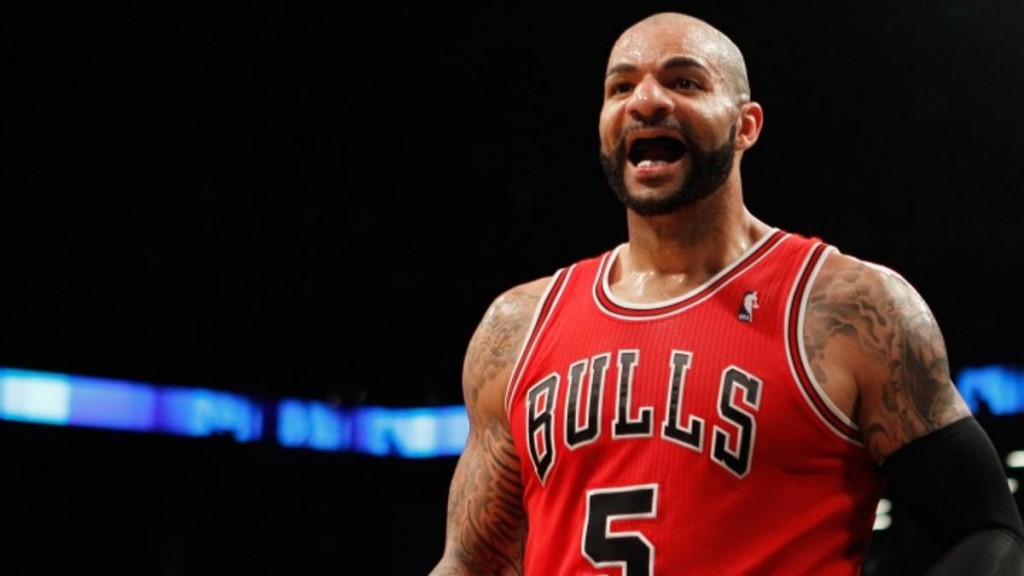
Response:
column 710, row 169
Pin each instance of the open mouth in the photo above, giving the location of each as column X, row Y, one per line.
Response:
column 651, row 151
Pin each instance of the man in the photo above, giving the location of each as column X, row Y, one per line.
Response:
column 715, row 396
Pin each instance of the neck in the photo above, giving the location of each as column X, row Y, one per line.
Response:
column 668, row 255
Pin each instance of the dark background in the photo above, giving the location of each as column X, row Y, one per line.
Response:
column 303, row 198
column 320, row 200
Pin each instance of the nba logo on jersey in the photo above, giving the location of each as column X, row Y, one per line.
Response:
column 748, row 306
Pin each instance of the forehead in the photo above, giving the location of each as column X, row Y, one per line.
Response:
column 648, row 44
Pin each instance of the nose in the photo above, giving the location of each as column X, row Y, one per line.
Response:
column 649, row 100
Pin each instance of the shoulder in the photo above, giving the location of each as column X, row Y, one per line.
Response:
column 875, row 346
column 518, row 301
column 862, row 293
column 495, row 345
column 846, row 279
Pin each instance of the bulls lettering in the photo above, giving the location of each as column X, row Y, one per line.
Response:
column 732, row 438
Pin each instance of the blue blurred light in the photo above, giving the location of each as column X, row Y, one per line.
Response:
column 1000, row 388
column 60, row 399
column 112, row 404
column 39, row 397
column 201, row 412
column 311, row 424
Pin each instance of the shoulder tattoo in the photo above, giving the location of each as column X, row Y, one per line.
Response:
column 496, row 342
column 876, row 323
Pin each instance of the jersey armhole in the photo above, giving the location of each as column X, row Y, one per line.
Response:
column 549, row 300
column 812, row 391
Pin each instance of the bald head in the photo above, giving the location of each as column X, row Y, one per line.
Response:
column 680, row 33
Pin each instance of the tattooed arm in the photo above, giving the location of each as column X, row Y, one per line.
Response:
column 486, row 529
column 877, row 350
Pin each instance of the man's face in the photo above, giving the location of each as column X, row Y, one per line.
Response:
column 668, row 122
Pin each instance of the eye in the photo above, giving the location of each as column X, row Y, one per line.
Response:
column 684, row 83
column 619, row 88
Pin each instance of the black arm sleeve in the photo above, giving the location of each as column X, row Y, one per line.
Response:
column 955, row 492
column 985, row 553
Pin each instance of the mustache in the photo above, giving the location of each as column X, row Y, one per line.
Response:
column 667, row 122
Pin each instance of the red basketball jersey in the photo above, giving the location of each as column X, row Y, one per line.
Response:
column 688, row 436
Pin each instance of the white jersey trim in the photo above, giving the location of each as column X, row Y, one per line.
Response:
column 801, row 354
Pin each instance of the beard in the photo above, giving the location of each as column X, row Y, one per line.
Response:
column 710, row 170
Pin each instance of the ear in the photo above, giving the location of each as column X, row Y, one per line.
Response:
column 748, row 126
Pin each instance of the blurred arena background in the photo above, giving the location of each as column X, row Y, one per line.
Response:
column 259, row 201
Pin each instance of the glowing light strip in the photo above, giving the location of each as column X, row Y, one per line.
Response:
column 69, row 400
column 999, row 388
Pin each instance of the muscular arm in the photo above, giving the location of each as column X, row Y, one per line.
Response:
column 486, row 527
column 877, row 350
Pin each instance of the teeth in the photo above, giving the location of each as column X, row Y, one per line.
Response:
column 650, row 163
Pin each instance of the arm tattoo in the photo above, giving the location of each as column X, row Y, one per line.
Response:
column 486, row 521
column 895, row 336
column 496, row 342
column 485, row 504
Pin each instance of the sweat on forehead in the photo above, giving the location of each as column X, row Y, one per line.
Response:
column 659, row 35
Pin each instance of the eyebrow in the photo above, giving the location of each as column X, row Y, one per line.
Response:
column 674, row 62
